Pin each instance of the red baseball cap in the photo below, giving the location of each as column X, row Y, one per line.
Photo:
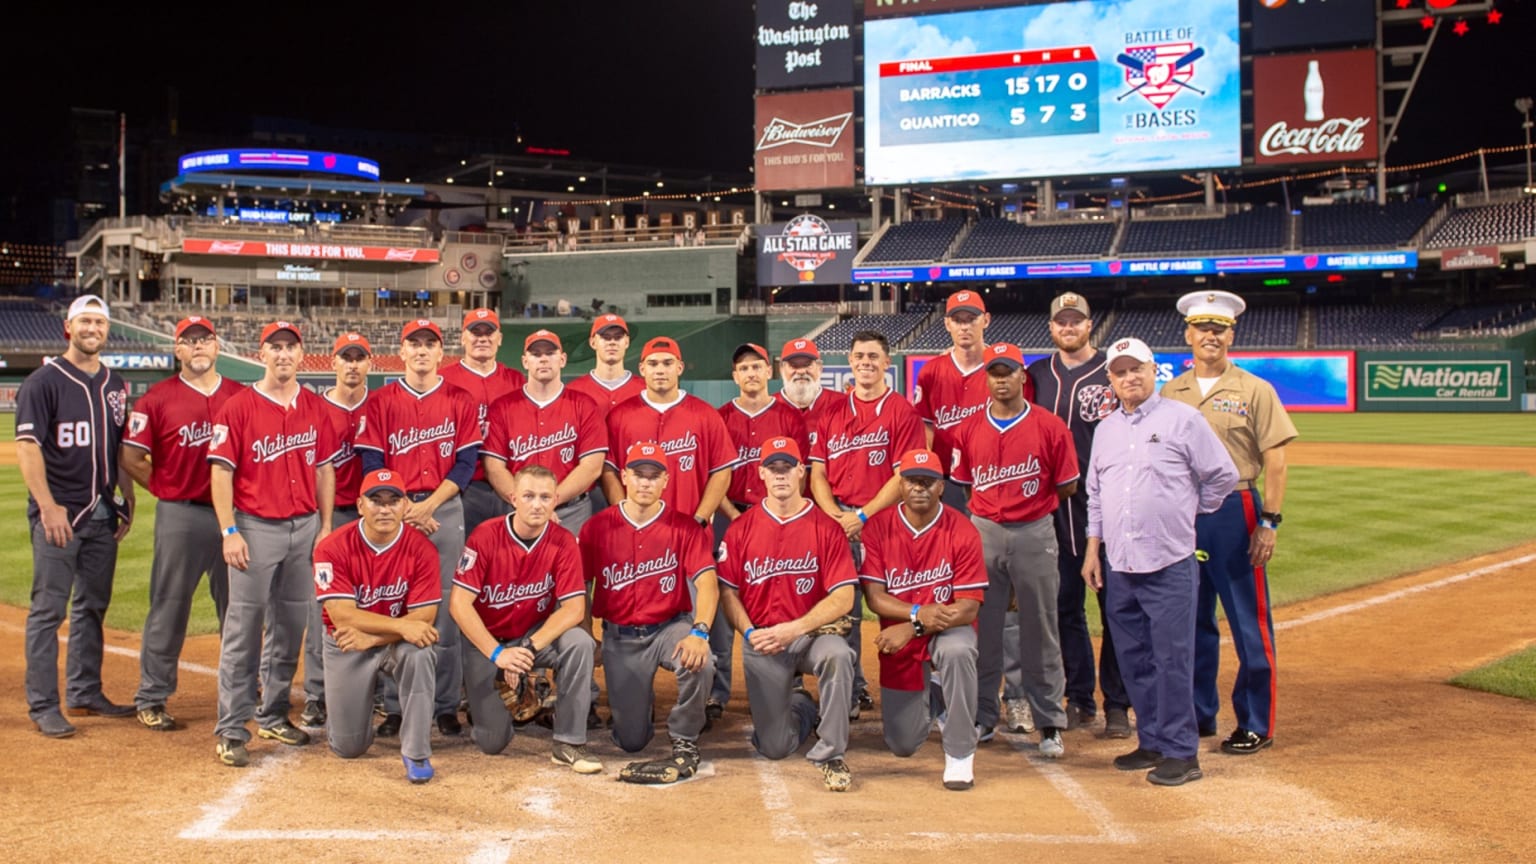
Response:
column 645, row 453
column 1005, row 353
column 603, row 322
column 920, row 463
column 191, row 321
column 382, row 480
column 661, row 345
column 277, row 327
column 966, row 300
column 781, row 450
column 481, row 316
column 542, row 336
column 411, row 328
column 800, row 348
column 351, row 340
column 750, row 348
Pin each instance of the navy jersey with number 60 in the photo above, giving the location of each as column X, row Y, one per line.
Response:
column 77, row 420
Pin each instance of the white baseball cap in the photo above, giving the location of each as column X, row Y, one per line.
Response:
column 88, row 303
column 1133, row 348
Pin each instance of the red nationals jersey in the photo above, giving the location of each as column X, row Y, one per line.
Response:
column 486, row 389
column 605, row 395
column 274, row 450
column 419, row 434
column 947, row 394
column 689, row 431
column 748, row 432
column 859, row 443
column 554, row 434
column 1014, row 472
column 783, row 567
column 387, row 580
column 640, row 572
column 812, row 414
column 517, row 586
column 173, row 421
column 349, row 468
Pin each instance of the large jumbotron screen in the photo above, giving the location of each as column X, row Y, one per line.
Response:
column 1061, row 89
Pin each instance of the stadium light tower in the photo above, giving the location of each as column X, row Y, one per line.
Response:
column 1523, row 105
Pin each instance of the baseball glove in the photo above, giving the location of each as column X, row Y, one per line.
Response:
column 522, row 701
column 657, row 771
column 839, row 627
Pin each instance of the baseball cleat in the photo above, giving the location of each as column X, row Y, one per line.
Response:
column 155, row 718
column 231, row 751
column 1175, row 772
column 1139, row 759
column 575, row 757
column 686, row 754
column 53, row 725
column 102, row 706
column 836, row 774
column 448, row 724
column 866, row 701
column 417, row 770
column 390, row 727
column 1051, row 746
column 314, row 714
column 983, row 733
column 1117, row 723
column 1019, row 717
column 1245, row 743
column 1079, row 717
column 284, row 732
column 713, row 711
column 959, row 774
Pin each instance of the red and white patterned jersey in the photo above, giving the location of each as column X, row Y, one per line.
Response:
column 859, row 443
column 555, row 434
column 501, row 381
column 173, row 421
column 1014, row 472
column 419, row 434
column 938, row 563
column 640, row 571
column 388, row 580
column 783, row 567
column 811, row 414
column 349, row 468
column 689, row 431
column 947, row 394
column 517, row 586
column 748, row 432
column 605, row 395
column 274, row 450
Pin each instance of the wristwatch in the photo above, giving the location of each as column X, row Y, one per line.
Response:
column 700, row 625
column 1275, row 517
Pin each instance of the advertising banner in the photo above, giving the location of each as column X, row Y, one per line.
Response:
column 1315, row 107
column 1469, row 258
column 804, row 43
column 804, row 141
column 839, row 376
column 327, row 251
column 1395, row 259
column 1285, row 24
column 806, row 250
column 307, row 161
column 901, row 8
column 1440, row 381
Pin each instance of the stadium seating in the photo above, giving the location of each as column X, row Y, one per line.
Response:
column 1160, row 327
column 1010, row 240
column 1261, row 229
column 27, row 324
column 1483, row 317
column 915, row 242
column 1369, row 326
column 838, row 337
column 1349, row 226
column 1508, row 222
column 1026, row 331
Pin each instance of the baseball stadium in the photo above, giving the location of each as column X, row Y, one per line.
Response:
column 1138, row 161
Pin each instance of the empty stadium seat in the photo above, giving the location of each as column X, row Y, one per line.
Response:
column 1007, row 239
column 1508, row 222
column 915, row 242
column 1349, row 226
column 1261, row 229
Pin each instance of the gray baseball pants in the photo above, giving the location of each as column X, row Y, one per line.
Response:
column 449, row 540
column 905, row 714
column 314, row 629
column 631, row 656
column 784, row 717
column 272, row 596
column 85, row 568
column 350, row 679
column 570, row 655
column 184, row 551
column 1021, row 557
column 481, row 503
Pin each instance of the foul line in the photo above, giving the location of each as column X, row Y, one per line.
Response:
column 781, row 810
column 1403, row 592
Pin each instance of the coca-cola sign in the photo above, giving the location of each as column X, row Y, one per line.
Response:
column 805, row 140
column 1315, row 107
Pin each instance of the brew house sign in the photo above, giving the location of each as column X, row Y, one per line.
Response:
column 1315, row 107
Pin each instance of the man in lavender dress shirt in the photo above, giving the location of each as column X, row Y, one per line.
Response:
column 1155, row 464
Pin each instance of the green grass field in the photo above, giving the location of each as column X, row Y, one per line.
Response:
column 1344, row 527
column 1514, row 675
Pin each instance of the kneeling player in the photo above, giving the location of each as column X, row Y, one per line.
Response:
column 924, row 576
column 379, row 587
column 789, row 582
column 640, row 556
column 518, row 599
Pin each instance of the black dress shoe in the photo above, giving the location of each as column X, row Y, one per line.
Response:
column 1245, row 743
column 1139, row 759
column 449, row 724
column 390, row 727
column 103, row 706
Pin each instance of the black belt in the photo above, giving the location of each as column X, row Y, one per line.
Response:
column 577, row 500
column 208, row 506
column 419, row 496
column 642, row 630
column 741, row 506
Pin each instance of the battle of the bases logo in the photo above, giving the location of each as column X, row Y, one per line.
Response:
column 1157, row 73
column 808, row 242
column 467, row 560
column 136, row 422
column 323, row 574
column 220, row 434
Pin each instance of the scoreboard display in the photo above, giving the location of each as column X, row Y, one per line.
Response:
column 1059, row 89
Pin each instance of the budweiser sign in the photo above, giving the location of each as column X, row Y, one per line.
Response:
column 1315, row 107
column 325, row 251
column 1469, row 258
column 817, row 133
column 804, row 140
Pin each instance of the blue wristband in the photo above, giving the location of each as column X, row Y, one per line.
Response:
column 748, row 634
column 860, row 513
column 231, row 530
column 497, row 652
column 699, row 633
